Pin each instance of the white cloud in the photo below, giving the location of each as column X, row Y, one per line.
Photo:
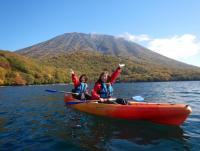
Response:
column 176, row 47
column 135, row 38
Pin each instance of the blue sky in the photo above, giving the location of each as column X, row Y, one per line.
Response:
column 155, row 24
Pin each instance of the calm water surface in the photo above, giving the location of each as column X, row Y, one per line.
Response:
column 32, row 119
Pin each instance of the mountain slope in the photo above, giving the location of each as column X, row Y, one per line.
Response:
column 16, row 69
column 93, row 63
column 105, row 44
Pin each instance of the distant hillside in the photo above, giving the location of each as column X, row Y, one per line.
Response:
column 93, row 63
column 16, row 69
column 105, row 44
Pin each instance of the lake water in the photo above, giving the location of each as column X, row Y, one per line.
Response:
column 32, row 119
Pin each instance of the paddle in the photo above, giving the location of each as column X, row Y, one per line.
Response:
column 56, row 91
column 125, row 101
column 135, row 98
column 72, row 103
column 112, row 100
column 138, row 98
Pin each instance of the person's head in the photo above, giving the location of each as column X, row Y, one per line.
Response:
column 83, row 78
column 104, row 77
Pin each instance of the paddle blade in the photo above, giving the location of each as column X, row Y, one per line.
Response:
column 138, row 98
column 52, row 91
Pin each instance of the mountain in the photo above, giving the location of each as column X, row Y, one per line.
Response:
column 50, row 61
column 106, row 44
column 93, row 53
column 16, row 69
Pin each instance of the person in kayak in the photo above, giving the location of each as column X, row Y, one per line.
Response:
column 80, row 86
column 103, row 87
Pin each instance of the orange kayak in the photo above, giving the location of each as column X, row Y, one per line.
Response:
column 162, row 113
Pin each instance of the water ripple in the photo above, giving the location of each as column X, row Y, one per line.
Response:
column 31, row 119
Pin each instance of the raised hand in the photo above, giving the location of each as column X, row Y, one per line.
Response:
column 71, row 71
column 121, row 65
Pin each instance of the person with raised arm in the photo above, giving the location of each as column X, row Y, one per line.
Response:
column 103, row 90
column 80, row 86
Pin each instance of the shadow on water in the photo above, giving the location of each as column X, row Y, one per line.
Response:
column 97, row 133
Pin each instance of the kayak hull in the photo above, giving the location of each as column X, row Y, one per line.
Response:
column 162, row 113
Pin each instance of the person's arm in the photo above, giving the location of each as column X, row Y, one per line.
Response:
column 116, row 74
column 96, row 89
column 75, row 79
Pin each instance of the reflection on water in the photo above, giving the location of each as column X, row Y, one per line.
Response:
column 31, row 119
column 105, row 134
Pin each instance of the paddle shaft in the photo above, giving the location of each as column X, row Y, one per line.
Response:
column 56, row 91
